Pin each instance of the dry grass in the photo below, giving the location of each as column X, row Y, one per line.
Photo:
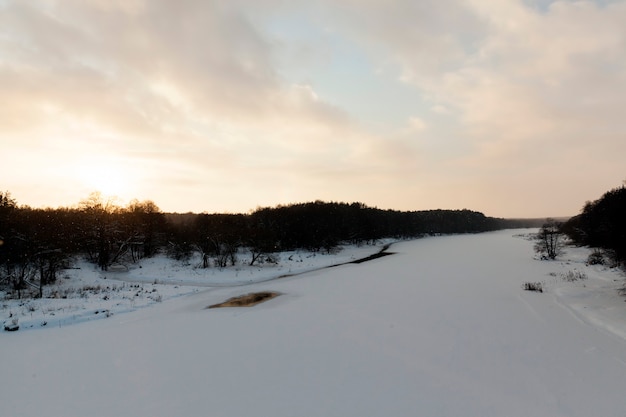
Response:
column 247, row 300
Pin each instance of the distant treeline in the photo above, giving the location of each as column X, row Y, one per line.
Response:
column 36, row 243
column 602, row 224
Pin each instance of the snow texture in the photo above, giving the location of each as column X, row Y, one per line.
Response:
column 440, row 328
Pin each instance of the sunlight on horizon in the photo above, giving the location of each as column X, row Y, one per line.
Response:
column 109, row 177
column 513, row 110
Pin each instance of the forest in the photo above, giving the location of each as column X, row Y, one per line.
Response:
column 602, row 224
column 35, row 243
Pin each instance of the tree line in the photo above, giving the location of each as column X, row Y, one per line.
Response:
column 602, row 224
column 35, row 244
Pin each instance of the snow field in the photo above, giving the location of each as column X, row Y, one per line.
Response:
column 440, row 328
column 85, row 293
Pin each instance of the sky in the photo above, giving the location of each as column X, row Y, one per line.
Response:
column 510, row 107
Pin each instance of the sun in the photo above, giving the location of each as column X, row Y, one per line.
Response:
column 110, row 178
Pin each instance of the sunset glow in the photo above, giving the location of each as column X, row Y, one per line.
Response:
column 510, row 107
column 111, row 179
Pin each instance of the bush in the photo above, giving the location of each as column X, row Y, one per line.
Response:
column 575, row 275
column 533, row 286
column 596, row 258
column 11, row 325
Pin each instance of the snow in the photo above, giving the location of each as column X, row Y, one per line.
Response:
column 86, row 293
column 440, row 328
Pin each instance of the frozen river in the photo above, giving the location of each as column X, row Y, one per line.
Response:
column 440, row 328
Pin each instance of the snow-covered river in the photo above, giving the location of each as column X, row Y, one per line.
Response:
column 440, row 328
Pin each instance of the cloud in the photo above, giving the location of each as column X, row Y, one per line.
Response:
column 537, row 92
column 198, row 94
column 193, row 76
column 416, row 124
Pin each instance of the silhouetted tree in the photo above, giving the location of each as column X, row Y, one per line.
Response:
column 550, row 239
column 98, row 228
column 261, row 237
column 146, row 225
column 602, row 224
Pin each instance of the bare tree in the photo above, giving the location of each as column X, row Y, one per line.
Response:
column 48, row 262
column 145, row 221
column 99, row 228
column 550, row 239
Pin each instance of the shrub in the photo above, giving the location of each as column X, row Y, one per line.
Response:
column 11, row 325
column 533, row 286
column 575, row 275
column 596, row 258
